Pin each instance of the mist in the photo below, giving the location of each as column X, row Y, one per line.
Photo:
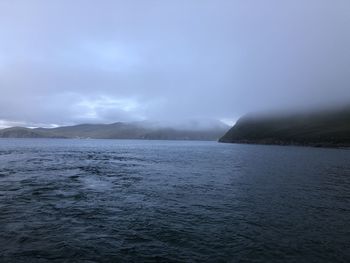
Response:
column 68, row 62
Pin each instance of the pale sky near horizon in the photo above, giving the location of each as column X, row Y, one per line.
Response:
column 65, row 62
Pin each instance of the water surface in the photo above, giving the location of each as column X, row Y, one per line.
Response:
column 172, row 201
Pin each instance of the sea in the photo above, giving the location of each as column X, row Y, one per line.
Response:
column 71, row 200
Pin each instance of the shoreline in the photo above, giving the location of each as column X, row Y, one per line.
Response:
column 326, row 145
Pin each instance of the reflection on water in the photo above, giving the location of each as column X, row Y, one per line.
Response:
column 111, row 200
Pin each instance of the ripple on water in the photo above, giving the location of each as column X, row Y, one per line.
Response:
column 121, row 201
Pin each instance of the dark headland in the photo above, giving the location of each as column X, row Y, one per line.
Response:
column 327, row 128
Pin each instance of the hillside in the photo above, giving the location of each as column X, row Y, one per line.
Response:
column 329, row 128
column 119, row 130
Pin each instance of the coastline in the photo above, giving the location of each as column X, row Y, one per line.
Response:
column 345, row 146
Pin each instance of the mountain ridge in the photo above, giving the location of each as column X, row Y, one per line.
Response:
column 118, row 130
column 327, row 128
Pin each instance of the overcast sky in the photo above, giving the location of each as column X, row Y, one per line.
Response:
column 65, row 62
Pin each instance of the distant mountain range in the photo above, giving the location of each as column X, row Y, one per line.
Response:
column 328, row 128
column 121, row 130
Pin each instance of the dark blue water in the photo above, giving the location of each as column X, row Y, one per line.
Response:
column 164, row 201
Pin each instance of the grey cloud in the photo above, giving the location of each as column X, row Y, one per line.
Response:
column 66, row 62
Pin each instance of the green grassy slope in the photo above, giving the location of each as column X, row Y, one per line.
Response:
column 327, row 128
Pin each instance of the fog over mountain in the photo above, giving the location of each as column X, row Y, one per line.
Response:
column 327, row 128
column 123, row 130
column 86, row 61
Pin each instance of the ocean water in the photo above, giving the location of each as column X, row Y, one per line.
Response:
column 172, row 201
